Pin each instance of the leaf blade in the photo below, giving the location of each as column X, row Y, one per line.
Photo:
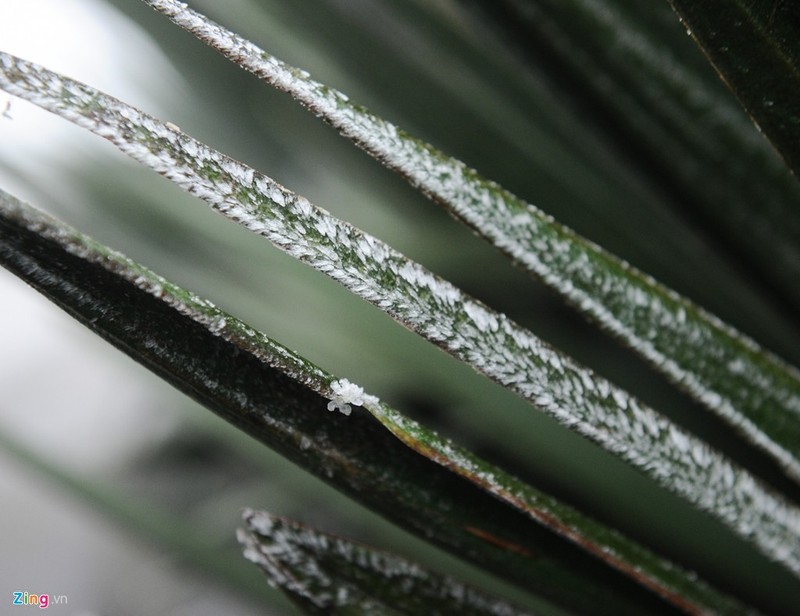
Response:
column 725, row 371
column 279, row 398
column 753, row 47
column 322, row 572
column 466, row 328
column 669, row 120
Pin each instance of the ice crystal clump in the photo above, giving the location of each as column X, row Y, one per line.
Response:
column 346, row 395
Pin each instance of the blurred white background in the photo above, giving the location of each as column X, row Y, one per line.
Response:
column 52, row 542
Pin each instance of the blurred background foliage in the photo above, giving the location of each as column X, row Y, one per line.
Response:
column 555, row 107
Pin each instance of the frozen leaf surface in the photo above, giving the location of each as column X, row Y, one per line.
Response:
column 279, row 398
column 324, row 574
column 727, row 372
column 434, row 308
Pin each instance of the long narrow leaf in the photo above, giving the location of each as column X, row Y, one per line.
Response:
column 675, row 124
column 727, row 372
column 279, row 398
column 434, row 308
column 753, row 46
column 614, row 549
column 323, row 573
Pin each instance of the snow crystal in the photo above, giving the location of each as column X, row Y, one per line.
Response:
column 346, row 395
column 251, row 551
column 737, row 366
column 620, row 398
column 217, row 325
column 522, row 219
column 259, row 521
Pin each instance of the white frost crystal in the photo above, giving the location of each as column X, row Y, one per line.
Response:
column 346, row 394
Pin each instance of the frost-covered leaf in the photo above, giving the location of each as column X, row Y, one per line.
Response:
column 662, row 577
column 279, row 398
column 326, row 574
column 466, row 328
column 727, row 372
column 753, row 46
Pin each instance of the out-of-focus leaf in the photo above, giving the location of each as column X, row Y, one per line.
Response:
column 323, row 573
column 727, row 372
column 166, row 529
column 434, row 308
column 754, row 47
column 668, row 118
column 280, row 399
column 432, row 69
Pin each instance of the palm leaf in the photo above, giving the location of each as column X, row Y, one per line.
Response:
column 322, row 573
column 636, row 76
column 753, row 46
column 466, row 328
column 727, row 372
column 279, row 398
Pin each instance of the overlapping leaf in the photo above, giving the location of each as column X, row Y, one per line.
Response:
column 434, row 308
column 726, row 371
column 280, row 399
column 670, row 118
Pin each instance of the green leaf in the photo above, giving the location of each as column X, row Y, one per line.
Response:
column 323, row 573
column 727, row 372
column 636, row 73
column 467, row 329
column 616, row 550
column 279, row 398
column 753, row 46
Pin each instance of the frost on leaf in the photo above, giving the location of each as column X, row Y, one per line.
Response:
column 490, row 342
column 347, row 394
column 326, row 574
column 689, row 345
